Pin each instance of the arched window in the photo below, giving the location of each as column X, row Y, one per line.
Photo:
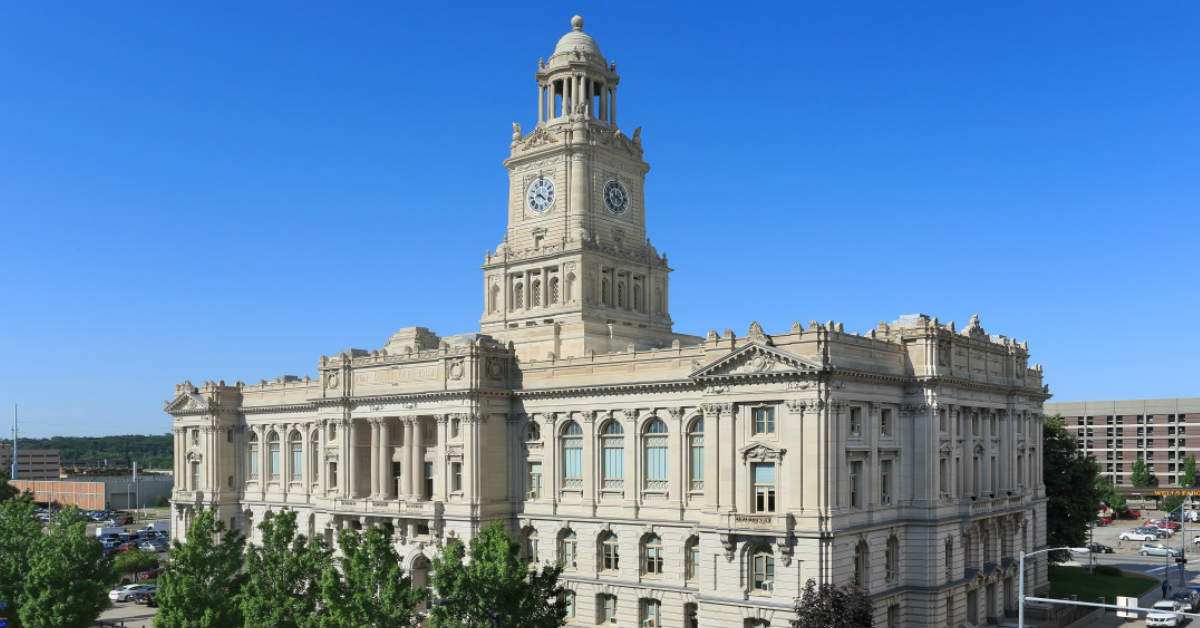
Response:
column 531, row 545
column 696, row 455
column 295, row 457
column 273, row 456
column 519, row 296
column 604, row 291
column 691, row 558
column 572, row 454
column 494, row 298
column 610, row 556
column 553, row 290
column 762, row 569
column 535, row 294
column 612, row 446
column 861, row 565
column 570, row 294
column 655, row 439
column 652, row 555
column 252, row 457
column 568, row 550
column 891, row 559
column 949, row 559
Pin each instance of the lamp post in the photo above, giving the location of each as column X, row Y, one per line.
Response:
column 1021, row 580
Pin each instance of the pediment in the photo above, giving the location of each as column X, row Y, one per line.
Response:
column 761, row 451
column 756, row 359
column 186, row 401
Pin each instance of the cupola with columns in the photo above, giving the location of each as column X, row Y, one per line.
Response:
column 575, row 271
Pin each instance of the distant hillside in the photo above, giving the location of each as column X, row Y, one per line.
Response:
column 152, row 452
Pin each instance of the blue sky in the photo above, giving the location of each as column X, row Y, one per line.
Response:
column 229, row 190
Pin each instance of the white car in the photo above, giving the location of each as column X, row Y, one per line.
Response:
column 1134, row 535
column 1164, row 613
column 122, row 593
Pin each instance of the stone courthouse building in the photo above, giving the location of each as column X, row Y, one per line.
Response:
column 680, row 480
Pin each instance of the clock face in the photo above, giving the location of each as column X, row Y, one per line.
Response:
column 541, row 194
column 616, row 198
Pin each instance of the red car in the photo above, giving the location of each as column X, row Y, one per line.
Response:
column 153, row 573
column 1130, row 513
column 1160, row 523
column 1105, row 520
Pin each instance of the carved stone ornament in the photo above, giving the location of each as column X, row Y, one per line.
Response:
column 495, row 368
column 456, row 370
column 331, row 380
column 759, row 451
column 730, row 545
column 756, row 358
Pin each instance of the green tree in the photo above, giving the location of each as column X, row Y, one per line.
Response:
column 1141, row 478
column 283, row 576
column 199, row 586
column 68, row 574
column 1172, row 503
column 1187, row 474
column 1070, row 478
column 7, row 491
column 19, row 534
column 371, row 588
column 828, row 606
column 1109, row 495
column 495, row 581
column 131, row 562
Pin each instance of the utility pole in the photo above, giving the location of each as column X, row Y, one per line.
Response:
column 13, row 475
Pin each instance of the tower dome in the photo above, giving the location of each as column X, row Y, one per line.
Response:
column 576, row 39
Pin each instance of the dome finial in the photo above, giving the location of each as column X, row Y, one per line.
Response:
column 577, row 23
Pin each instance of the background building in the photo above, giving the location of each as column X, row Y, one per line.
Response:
column 681, row 480
column 32, row 464
column 99, row 493
column 1117, row 432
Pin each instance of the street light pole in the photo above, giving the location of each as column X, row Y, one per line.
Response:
column 1021, row 580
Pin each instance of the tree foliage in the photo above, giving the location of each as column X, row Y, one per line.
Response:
column 130, row 563
column 1141, row 477
column 19, row 534
column 7, row 491
column 1109, row 495
column 66, row 584
column 283, row 576
column 828, row 606
column 371, row 588
column 1187, row 473
column 1070, row 477
column 199, row 585
column 152, row 451
column 495, row 582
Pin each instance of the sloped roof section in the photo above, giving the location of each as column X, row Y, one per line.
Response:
column 756, row 359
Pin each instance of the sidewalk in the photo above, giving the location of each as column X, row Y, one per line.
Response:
column 1109, row 617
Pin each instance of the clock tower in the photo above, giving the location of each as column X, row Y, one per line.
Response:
column 576, row 273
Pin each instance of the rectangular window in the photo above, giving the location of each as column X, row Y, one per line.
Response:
column 944, row 476
column 856, row 421
column 764, row 486
column 252, row 462
column 453, row 428
column 534, row 484
column 764, row 420
column 333, row 475
column 456, row 476
column 656, row 462
column 296, row 468
column 943, row 424
column 856, row 484
column 274, row 461
column 651, row 613
column 428, row 481
column 195, row 475
column 697, row 462
column 569, row 598
column 607, row 605
column 885, row 481
column 885, row 422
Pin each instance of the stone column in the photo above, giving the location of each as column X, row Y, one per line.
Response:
column 603, row 114
column 632, row 483
column 468, row 427
column 712, row 449
column 264, row 473
column 386, row 484
column 441, row 486
column 406, row 458
column 677, row 458
column 179, row 454
column 418, row 460
column 541, row 102
column 321, row 462
column 614, row 111
column 352, row 459
column 727, row 470
column 591, row 470
column 550, row 457
column 373, row 456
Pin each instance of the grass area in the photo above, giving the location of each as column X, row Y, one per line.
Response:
column 1066, row 581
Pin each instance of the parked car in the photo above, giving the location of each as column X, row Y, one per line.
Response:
column 143, row 597
column 122, row 593
column 1129, row 513
column 1161, row 533
column 153, row 573
column 1189, row 600
column 1163, row 523
column 1164, row 613
column 1105, row 520
column 1139, row 535
column 153, row 546
column 1157, row 549
column 1099, row 548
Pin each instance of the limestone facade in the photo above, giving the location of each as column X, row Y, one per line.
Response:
column 681, row 480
